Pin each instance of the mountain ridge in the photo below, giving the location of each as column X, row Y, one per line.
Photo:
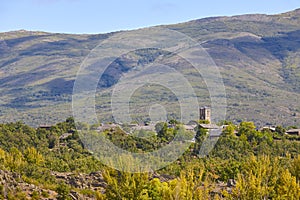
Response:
column 212, row 18
column 259, row 62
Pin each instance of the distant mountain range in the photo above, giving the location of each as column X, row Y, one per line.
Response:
column 258, row 57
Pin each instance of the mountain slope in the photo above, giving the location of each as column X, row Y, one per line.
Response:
column 258, row 56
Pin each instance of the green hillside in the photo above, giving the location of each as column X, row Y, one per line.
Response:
column 258, row 56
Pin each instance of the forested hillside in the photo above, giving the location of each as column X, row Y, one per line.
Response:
column 52, row 162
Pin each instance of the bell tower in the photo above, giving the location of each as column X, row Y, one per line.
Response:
column 205, row 113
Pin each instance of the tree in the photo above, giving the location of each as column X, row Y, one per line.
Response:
column 157, row 190
column 163, row 132
column 124, row 185
column 33, row 157
column 15, row 160
column 200, row 136
column 63, row 192
column 264, row 178
column 295, row 168
column 246, row 128
column 287, row 187
column 161, row 128
column 229, row 130
column 280, row 130
column 173, row 121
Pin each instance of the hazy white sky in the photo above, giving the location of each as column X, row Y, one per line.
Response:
column 99, row 16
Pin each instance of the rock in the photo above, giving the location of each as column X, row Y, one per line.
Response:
column 231, row 183
column 93, row 181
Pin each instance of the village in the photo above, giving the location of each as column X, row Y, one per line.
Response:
column 204, row 116
column 204, row 122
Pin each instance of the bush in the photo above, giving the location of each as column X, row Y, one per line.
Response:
column 63, row 191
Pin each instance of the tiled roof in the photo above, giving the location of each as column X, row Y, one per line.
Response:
column 210, row 126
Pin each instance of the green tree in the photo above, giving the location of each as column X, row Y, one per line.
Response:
column 33, row 157
column 63, row 191
column 295, row 168
column 124, row 185
column 229, row 130
column 264, row 178
column 287, row 187
column 163, row 132
column 15, row 160
column 280, row 130
column 246, row 128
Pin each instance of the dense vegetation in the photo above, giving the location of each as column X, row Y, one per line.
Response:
column 258, row 164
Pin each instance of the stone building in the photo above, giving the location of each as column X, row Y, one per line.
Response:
column 293, row 132
column 205, row 113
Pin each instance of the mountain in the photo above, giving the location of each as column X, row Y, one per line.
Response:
column 258, row 57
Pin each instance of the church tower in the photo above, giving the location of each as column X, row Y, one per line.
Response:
column 205, row 113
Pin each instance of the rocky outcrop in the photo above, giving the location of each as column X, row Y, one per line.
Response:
column 93, row 181
column 12, row 183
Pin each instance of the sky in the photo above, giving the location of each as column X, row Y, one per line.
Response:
column 102, row 16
